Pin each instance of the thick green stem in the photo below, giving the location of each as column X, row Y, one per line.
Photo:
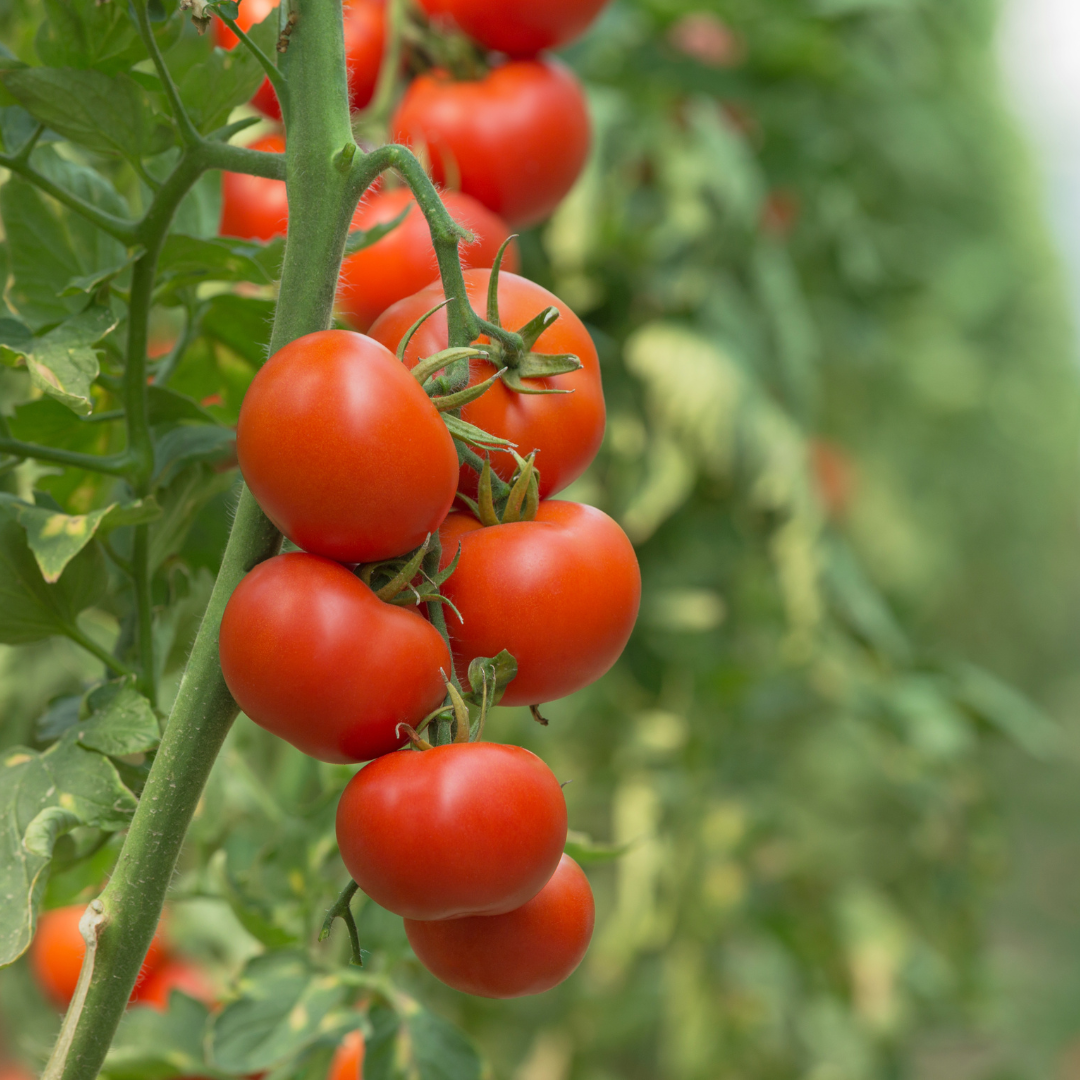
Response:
column 144, row 611
column 132, row 902
column 321, row 203
column 183, row 122
column 117, row 227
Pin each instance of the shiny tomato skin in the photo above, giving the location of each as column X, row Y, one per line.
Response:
column 343, row 450
column 365, row 31
column 348, row 1060
column 515, row 139
column 310, row 653
column 461, row 829
column 566, row 429
column 255, row 207
column 525, row 951
column 403, row 261
column 57, row 951
column 519, row 27
column 181, row 975
column 561, row 593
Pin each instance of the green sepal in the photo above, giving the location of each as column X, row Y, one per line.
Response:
column 405, row 575
column 461, row 713
column 532, row 497
column 484, row 501
column 403, row 344
column 364, row 238
column 443, row 575
column 496, row 671
column 446, row 402
column 474, row 436
column 470, row 505
column 493, row 283
column 512, row 378
column 537, row 325
column 437, row 361
column 517, row 497
column 544, row 365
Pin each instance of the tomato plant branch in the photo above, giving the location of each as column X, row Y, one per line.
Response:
column 110, row 465
column 213, row 154
column 281, row 87
column 342, row 909
column 376, row 116
column 321, row 206
column 117, row 227
column 188, row 132
column 118, row 667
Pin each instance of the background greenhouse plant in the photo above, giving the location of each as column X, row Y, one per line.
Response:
column 805, row 228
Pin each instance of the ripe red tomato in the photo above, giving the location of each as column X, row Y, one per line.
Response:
column 462, row 829
column 255, row 207
column 525, row 951
column 11, row 1070
column 348, row 1060
column 365, row 30
column 57, row 951
column 313, row 655
column 834, row 474
column 561, row 593
column 403, row 261
column 343, row 450
column 175, row 975
column 519, row 27
column 566, row 429
column 515, row 139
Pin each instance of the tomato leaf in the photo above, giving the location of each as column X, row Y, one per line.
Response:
column 189, row 260
column 281, row 1011
column 64, row 363
column 583, row 849
column 88, row 34
column 242, row 323
column 43, row 796
column 216, row 84
column 31, row 608
column 187, row 444
column 56, row 538
column 84, row 284
column 109, row 114
column 46, row 420
column 50, row 246
column 181, row 502
column 168, row 406
column 498, row 671
column 121, row 721
column 150, row 1044
column 409, row 1043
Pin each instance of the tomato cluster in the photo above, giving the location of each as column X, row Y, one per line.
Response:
column 434, row 576
column 505, row 134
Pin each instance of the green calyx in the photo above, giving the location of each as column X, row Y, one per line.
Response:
column 517, row 365
column 454, row 720
column 520, row 500
column 404, row 581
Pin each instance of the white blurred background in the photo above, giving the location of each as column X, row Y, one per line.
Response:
column 1039, row 44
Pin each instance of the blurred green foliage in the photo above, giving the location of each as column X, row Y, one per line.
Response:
column 842, row 418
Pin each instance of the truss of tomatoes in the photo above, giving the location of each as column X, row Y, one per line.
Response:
column 460, row 118
column 409, row 516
